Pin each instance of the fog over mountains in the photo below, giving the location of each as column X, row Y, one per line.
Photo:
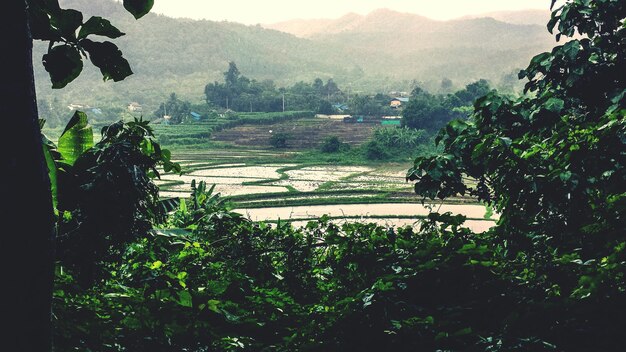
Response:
column 385, row 20
column 384, row 50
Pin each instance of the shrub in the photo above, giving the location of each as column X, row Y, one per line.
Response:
column 331, row 144
column 279, row 140
column 375, row 151
column 402, row 137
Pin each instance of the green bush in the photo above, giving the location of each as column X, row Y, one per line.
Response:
column 375, row 151
column 332, row 144
column 400, row 137
column 279, row 140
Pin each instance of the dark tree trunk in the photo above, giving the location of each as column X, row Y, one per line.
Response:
column 26, row 211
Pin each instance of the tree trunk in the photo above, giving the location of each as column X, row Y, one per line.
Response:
column 27, row 238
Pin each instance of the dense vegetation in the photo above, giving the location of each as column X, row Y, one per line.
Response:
column 190, row 275
column 431, row 112
column 240, row 93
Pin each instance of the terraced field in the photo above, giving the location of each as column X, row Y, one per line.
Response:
column 302, row 133
column 299, row 193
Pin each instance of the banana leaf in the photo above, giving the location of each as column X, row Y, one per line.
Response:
column 76, row 138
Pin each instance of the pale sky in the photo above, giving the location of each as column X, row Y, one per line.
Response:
column 270, row 11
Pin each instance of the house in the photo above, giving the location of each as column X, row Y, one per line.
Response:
column 389, row 122
column 74, row 107
column 135, row 107
column 397, row 103
column 339, row 107
column 196, row 116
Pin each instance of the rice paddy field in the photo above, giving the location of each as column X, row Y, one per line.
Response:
column 301, row 192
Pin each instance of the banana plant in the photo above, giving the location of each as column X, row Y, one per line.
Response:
column 77, row 141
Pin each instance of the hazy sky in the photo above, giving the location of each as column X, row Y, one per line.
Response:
column 269, row 11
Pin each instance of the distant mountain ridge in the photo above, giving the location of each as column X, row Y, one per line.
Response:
column 381, row 19
column 382, row 51
column 535, row 17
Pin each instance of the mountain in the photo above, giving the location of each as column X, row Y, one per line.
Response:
column 533, row 17
column 385, row 20
column 180, row 55
column 381, row 20
column 382, row 51
column 399, row 45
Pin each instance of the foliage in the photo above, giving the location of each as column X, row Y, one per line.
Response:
column 176, row 109
column 431, row 112
column 240, row 93
column 374, row 150
column 76, row 138
column 322, row 287
column 88, row 180
column 64, row 61
column 279, row 140
column 400, row 138
column 377, row 105
column 226, row 283
column 325, row 108
column 552, row 164
column 332, row 144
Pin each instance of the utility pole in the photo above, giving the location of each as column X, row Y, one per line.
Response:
column 283, row 102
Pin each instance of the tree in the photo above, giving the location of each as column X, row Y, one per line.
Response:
column 364, row 105
column 279, row 140
column 331, row 144
column 473, row 91
column 231, row 77
column 177, row 109
column 552, row 163
column 325, row 107
column 426, row 111
column 25, row 305
column 318, row 86
column 330, row 88
column 446, row 85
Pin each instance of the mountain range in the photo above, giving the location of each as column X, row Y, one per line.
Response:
column 379, row 52
column 388, row 20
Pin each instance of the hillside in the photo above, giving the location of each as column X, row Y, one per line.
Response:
column 384, row 50
column 534, row 17
column 178, row 55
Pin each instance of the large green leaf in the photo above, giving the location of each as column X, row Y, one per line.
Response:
column 76, row 139
column 66, row 22
column 49, row 152
column 64, row 64
column 40, row 26
column 108, row 58
column 138, row 8
column 52, row 174
column 99, row 26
